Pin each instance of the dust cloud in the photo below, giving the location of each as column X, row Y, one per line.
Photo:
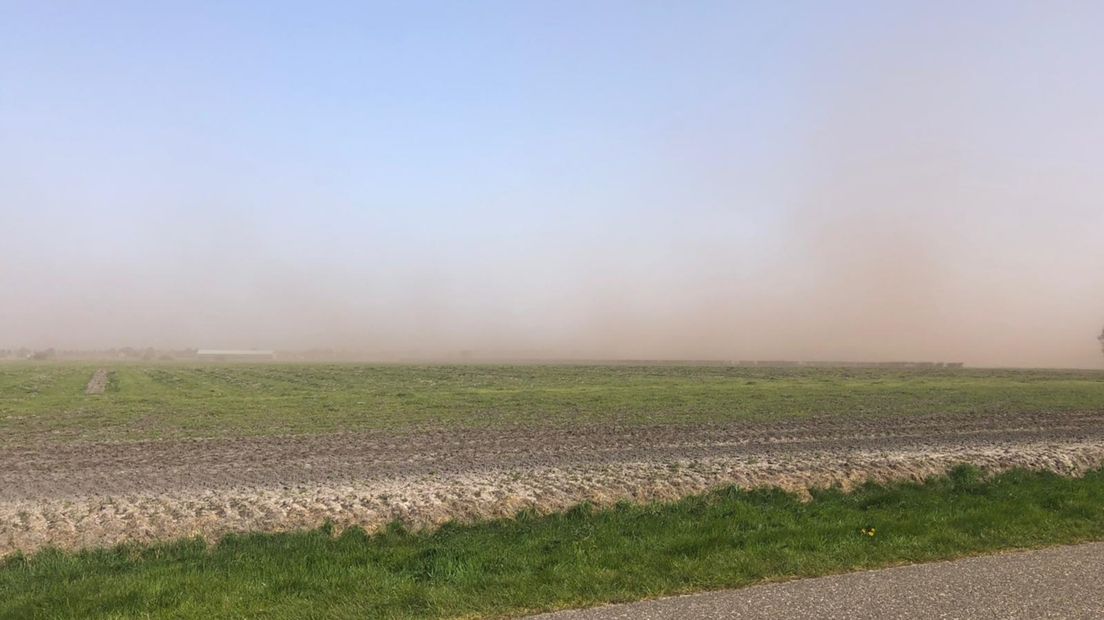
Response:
column 930, row 191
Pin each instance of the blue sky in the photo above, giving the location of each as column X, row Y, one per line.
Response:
column 608, row 178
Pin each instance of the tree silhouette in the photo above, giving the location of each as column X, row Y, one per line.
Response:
column 1101, row 339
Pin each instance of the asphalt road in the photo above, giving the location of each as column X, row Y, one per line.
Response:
column 1060, row 582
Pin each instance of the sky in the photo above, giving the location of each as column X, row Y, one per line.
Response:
column 863, row 181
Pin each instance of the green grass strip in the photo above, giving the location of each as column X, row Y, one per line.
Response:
column 723, row 539
column 167, row 400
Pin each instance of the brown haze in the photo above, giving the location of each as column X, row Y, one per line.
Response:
column 938, row 198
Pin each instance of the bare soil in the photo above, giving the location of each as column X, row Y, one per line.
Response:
column 98, row 383
column 95, row 494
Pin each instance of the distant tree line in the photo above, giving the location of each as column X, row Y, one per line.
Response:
column 127, row 353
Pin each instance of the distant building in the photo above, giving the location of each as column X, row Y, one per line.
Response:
column 234, row 355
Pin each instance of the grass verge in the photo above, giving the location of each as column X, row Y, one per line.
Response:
column 508, row 567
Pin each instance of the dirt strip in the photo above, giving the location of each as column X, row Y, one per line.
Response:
column 98, row 383
column 99, row 494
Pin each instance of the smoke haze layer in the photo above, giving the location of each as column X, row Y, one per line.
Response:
column 845, row 182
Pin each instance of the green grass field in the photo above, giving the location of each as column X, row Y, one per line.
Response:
column 723, row 539
column 493, row 569
column 47, row 401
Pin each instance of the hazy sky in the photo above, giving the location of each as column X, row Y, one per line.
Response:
column 823, row 180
